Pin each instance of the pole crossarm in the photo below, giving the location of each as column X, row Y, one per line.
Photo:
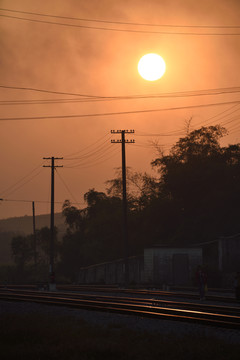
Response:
column 54, row 158
column 123, row 132
column 50, row 157
column 120, row 141
column 55, row 166
column 120, row 131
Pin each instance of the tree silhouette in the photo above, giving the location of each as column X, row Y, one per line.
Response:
column 201, row 178
column 194, row 198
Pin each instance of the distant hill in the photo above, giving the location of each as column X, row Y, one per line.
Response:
column 24, row 226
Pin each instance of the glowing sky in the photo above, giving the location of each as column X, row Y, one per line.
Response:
column 99, row 59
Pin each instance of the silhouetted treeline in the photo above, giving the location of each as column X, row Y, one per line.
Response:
column 194, row 198
column 31, row 257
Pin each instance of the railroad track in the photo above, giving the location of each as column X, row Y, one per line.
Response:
column 146, row 292
column 211, row 315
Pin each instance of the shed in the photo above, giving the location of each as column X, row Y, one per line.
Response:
column 222, row 259
column 170, row 265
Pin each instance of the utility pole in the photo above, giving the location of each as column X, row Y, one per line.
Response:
column 52, row 283
column 123, row 141
column 34, row 241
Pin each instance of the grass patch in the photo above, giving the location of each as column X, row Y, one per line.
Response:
column 39, row 336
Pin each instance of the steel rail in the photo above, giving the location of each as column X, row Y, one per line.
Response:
column 115, row 289
column 217, row 309
column 142, row 310
column 145, row 292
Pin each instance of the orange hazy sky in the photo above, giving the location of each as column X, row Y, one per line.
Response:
column 84, row 55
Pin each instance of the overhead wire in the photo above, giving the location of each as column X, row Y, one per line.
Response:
column 89, row 152
column 41, row 102
column 121, row 22
column 216, row 117
column 47, row 91
column 87, row 98
column 38, row 201
column 178, row 94
column 120, row 112
column 86, row 163
column 122, row 30
column 90, row 158
column 234, row 130
column 174, row 133
column 167, row 134
column 20, row 180
column 229, row 121
column 21, row 185
column 101, row 149
column 235, row 124
column 113, row 154
column 89, row 162
column 65, row 185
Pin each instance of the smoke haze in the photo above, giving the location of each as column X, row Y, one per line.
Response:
column 100, row 60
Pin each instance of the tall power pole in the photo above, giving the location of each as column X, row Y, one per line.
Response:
column 52, row 283
column 34, row 240
column 123, row 141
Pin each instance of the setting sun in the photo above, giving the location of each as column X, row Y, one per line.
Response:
column 151, row 67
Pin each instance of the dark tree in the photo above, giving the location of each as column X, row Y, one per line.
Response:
column 22, row 250
column 200, row 177
column 194, row 198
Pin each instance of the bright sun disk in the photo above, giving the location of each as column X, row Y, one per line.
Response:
column 151, row 67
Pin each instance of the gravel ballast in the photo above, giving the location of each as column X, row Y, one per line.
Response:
column 104, row 319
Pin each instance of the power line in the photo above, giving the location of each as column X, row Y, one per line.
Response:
column 224, row 123
column 26, row 182
column 47, row 91
column 101, row 150
column 86, row 147
column 176, row 133
column 90, row 153
column 39, row 201
column 87, row 161
column 234, row 130
column 167, row 134
column 123, row 23
column 119, row 30
column 208, row 121
column 229, row 121
column 120, row 112
column 66, row 186
column 18, row 183
column 87, row 98
column 218, row 114
column 94, row 162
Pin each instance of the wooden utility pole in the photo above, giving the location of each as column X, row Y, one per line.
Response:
column 34, row 240
column 124, row 197
column 52, row 282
